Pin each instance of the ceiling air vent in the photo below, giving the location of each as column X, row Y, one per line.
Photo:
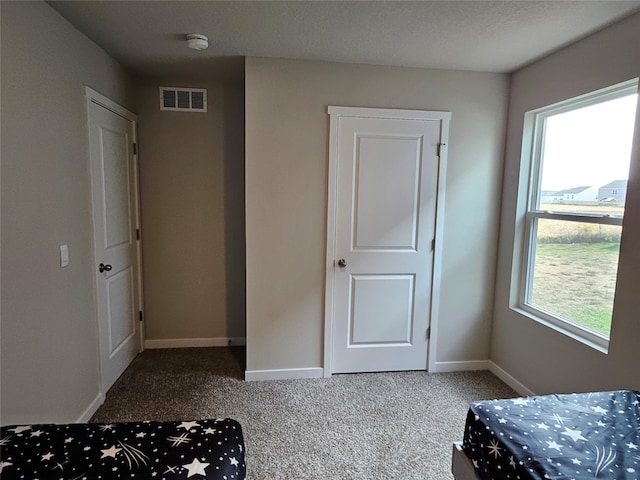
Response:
column 183, row 99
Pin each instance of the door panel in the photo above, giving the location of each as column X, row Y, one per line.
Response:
column 115, row 187
column 386, row 193
column 385, row 218
column 121, row 316
column 113, row 177
column 381, row 310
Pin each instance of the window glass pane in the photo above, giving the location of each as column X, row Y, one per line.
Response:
column 585, row 158
column 574, row 276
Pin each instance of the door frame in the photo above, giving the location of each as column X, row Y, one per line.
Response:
column 335, row 114
column 91, row 96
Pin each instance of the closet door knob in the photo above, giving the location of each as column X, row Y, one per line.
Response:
column 104, row 268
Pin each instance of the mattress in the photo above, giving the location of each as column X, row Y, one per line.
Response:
column 572, row 436
column 203, row 449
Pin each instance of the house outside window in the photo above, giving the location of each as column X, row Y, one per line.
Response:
column 578, row 153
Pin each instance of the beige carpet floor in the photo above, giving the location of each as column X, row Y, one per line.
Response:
column 362, row 426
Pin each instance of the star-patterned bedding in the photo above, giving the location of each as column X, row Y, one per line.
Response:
column 202, row 449
column 572, row 436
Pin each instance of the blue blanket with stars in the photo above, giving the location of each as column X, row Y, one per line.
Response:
column 573, row 436
column 202, row 449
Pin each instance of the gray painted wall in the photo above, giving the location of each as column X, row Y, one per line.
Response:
column 192, row 203
column 287, row 130
column 542, row 359
column 49, row 357
column 49, row 361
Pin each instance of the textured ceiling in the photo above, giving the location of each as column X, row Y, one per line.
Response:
column 148, row 36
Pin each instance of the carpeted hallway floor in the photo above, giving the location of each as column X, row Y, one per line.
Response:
column 364, row 426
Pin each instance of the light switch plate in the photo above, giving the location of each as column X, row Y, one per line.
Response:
column 64, row 256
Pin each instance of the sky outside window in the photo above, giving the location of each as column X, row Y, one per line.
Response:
column 590, row 146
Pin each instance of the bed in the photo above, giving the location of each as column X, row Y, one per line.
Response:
column 569, row 436
column 204, row 449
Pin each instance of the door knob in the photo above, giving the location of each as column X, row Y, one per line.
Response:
column 342, row 263
column 104, row 268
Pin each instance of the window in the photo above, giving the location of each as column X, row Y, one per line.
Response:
column 578, row 161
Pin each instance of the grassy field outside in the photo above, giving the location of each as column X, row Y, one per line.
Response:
column 575, row 272
column 577, row 282
column 565, row 207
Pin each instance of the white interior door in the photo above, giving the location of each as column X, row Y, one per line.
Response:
column 386, row 191
column 114, row 195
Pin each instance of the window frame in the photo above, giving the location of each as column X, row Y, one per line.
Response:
column 533, row 136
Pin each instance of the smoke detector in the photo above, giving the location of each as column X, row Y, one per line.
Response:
column 197, row 41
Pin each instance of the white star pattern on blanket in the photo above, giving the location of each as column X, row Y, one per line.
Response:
column 196, row 468
column 188, row 425
column 110, row 452
column 592, row 435
column 211, row 449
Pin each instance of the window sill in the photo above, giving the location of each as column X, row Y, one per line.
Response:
column 602, row 346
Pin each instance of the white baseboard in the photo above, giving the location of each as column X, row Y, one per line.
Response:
column 91, row 409
column 443, row 367
column 195, row 342
column 284, row 374
column 510, row 380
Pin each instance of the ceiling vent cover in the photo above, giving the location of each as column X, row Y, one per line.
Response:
column 183, row 99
